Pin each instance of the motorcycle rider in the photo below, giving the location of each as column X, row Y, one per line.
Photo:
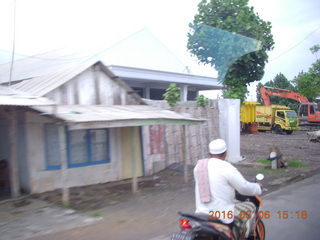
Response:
column 215, row 183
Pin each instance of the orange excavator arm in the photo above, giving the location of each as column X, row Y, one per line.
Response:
column 278, row 92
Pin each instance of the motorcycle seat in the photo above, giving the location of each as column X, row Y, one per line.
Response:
column 200, row 217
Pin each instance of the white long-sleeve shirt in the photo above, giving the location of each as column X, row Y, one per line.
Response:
column 224, row 179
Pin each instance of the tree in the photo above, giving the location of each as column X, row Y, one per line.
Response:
column 172, row 95
column 202, row 101
column 221, row 33
column 315, row 49
column 308, row 84
column 280, row 81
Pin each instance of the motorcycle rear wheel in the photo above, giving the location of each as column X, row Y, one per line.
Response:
column 260, row 230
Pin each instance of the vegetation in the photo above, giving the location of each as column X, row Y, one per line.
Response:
column 280, row 81
column 202, row 101
column 264, row 161
column 292, row 163
column 308, row 84
column 224, row 34
column 172, row 95
column 96, row 214
column 268, row 170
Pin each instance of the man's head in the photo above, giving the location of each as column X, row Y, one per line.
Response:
column 218, row 149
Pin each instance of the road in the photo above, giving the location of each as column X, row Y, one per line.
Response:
column 294, row 211
column 299, row 200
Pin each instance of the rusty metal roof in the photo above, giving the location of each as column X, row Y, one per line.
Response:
column 13, row 97
column 100, row 116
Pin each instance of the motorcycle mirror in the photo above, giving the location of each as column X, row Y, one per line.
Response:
column 259, row 176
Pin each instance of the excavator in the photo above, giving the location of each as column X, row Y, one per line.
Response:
column 308, row 112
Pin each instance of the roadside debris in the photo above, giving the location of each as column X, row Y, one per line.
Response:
column 314, row 136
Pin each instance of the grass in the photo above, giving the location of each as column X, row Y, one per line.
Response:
column 292, row 163
column 96, row 214
column 268, row 170
column 264, row 161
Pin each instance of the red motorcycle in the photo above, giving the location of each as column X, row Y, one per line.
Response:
column 195, row 226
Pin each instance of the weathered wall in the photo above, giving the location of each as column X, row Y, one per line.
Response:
column 163, row 145
column 46, row 180
column 93, row 87
column 223, row 121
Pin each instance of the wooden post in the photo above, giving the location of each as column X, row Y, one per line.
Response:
column 64, row 165
column 134, row 162
column 185, row 165
column 13, row 162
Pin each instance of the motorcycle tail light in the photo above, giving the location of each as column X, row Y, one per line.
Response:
column 184, row 224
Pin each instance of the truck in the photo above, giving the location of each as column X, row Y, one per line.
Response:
column 308, row 112
column 277, row 118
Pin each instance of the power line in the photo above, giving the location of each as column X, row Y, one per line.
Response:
column 295, row 45
column 13, row 42
column 44, row 58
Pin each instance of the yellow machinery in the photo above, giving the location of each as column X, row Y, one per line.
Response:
column 263, row 118
column 248, row 116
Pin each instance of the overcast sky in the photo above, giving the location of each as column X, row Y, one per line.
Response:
column 44, row 25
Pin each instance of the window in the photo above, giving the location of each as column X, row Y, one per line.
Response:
column 280, row 114
column 291, row 114
column 84, row 147
column 52, row 146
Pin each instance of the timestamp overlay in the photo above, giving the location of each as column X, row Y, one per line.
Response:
column 293, row 212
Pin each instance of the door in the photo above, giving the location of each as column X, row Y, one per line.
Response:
column 126, row 152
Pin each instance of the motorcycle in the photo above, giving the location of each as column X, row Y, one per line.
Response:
column 198, row 226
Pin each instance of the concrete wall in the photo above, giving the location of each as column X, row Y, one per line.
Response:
column 229, row 127
column 223, row 121
column 42, row 180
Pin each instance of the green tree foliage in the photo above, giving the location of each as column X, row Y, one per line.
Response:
column 218, row 50
column 315, row 49
column 308, row 84
column 172, row 95
column 202, row 101
column 280, row 81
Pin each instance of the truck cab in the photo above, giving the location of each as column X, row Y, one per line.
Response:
column 277, row 118
column 285, row 120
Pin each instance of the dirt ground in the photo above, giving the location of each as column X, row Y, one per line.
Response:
column 295, row 147
column 162, row 195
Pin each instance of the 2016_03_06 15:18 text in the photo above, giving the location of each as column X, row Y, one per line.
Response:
column 260, row 214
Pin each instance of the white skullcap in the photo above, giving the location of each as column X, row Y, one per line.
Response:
column 217, row 146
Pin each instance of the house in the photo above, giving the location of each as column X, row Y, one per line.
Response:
column 140, row 60
column 96, row 120
column 86, row 91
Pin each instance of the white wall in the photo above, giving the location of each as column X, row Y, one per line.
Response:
column 229, row 127
column 92, row 87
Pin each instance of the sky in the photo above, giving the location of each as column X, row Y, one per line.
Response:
column 44, row 25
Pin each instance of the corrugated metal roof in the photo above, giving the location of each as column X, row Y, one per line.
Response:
column 43, row 84
column 43, row 64
column 13, row 97
column 99, row 116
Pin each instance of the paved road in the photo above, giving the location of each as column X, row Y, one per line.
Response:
column 302, row 203
column 300, row 198
column 294, row 212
